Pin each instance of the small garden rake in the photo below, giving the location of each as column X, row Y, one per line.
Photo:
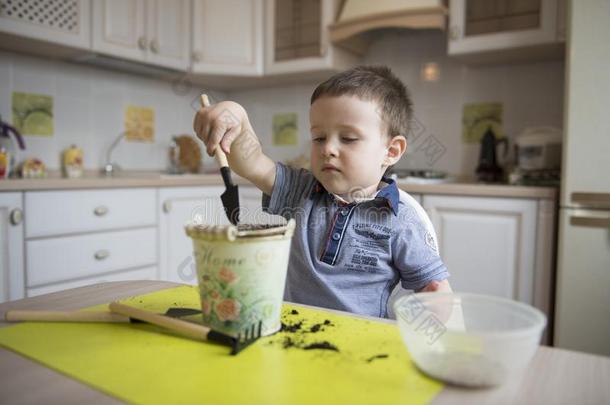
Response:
column 191, row 330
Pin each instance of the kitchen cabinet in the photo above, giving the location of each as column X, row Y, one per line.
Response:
column 502, row 30
column 251, row 208
column 151, row 31
column 221, row 51
column 297, row 38
column 11, row 246
column 63, row 22
column 79, row 237
column 178, row 206
column 53, row 213
column 496, row 246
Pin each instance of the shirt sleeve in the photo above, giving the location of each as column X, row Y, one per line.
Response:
column 290, row 188
column 415, row 255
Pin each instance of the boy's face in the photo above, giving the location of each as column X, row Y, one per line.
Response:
column 349, row 145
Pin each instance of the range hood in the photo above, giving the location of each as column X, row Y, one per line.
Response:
column 357, row 19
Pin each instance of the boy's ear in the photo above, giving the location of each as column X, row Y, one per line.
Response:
column 396, row 147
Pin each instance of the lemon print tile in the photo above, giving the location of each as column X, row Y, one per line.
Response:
column 33, row 113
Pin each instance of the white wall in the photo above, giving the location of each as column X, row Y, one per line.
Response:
column 89, row 103
column 532, row 94
column 89, row 106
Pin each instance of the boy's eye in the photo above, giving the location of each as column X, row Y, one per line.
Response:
column 319, row 139
column 349, row 140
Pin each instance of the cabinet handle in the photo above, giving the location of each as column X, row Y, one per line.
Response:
column 142, row 43
column 590, row 221
column 167, row 206
column 197, row 56
column 454, row 32
column 16, row 216
column 154, row 46
column 101, row 254
column 100, row 211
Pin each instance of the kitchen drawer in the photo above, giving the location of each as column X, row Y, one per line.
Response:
column 146, row 273
column 63, row 258
column 64, row 212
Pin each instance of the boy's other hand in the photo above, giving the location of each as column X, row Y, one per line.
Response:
column 220, row 124
column 434, row 286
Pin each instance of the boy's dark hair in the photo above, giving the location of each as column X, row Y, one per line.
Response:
column 373, row 83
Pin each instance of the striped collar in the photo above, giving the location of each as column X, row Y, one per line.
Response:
column 388, row 192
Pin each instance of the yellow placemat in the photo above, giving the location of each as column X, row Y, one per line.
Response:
column 139, row 364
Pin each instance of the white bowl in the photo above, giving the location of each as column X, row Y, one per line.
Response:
column 469, row 339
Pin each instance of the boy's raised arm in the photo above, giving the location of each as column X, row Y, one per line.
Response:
column 226, row 125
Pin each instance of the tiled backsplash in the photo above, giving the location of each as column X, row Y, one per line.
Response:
column 89, row 108
column 531, row 94
column 89, row 104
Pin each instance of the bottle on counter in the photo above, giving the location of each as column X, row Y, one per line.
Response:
column 72, row 162
column 5, row 163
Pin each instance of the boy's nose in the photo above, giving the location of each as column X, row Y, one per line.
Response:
column 330, row 148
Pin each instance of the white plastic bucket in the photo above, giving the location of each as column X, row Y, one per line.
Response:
column 241, row 275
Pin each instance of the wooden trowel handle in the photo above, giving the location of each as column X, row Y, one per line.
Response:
column 220, row 156
column 63, row 316
column 184, row 328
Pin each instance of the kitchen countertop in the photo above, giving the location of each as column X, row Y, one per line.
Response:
column 127, row 179
column 554, row 375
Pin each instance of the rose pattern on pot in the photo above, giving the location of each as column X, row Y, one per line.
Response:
column 225, row 274
column 220, row 297
column 227, row 310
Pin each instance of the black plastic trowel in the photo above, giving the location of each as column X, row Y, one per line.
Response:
column 230, row 198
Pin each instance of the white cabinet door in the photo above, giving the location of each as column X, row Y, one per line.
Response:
column 52, row 260
column 228, row 37
column 297, row 38
column 488, row 244
column 582, row 312
column 119, row 28
column 64, row 22
column 77, row 211
column 481, row 26
column 11, row 247
column 169, row 33
column 251, row 209
column 179, row 206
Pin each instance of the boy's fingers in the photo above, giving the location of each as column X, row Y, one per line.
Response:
column 228, row 139
column 215, row 135
column 199, row 125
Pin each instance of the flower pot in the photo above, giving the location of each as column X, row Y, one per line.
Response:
column 241, row 272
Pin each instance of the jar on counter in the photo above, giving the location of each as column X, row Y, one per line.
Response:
column 72, row 162
column 5, row 163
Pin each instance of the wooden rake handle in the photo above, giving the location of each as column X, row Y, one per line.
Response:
column 219, row 154
column 63, row 316
column 184, row 328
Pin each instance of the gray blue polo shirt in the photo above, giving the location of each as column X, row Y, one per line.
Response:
column 349, row 256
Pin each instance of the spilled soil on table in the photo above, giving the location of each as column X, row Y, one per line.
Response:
column 297, row 336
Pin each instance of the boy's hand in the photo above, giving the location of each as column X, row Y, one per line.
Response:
column 442, row 311
column 226, row 125
column 220, row 124
column 440, row 286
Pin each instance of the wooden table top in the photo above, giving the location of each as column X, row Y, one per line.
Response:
column 555, row 376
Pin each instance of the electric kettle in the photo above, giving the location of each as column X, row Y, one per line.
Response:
column 488, row 170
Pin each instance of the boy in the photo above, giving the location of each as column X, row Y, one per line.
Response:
column 357, row 235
